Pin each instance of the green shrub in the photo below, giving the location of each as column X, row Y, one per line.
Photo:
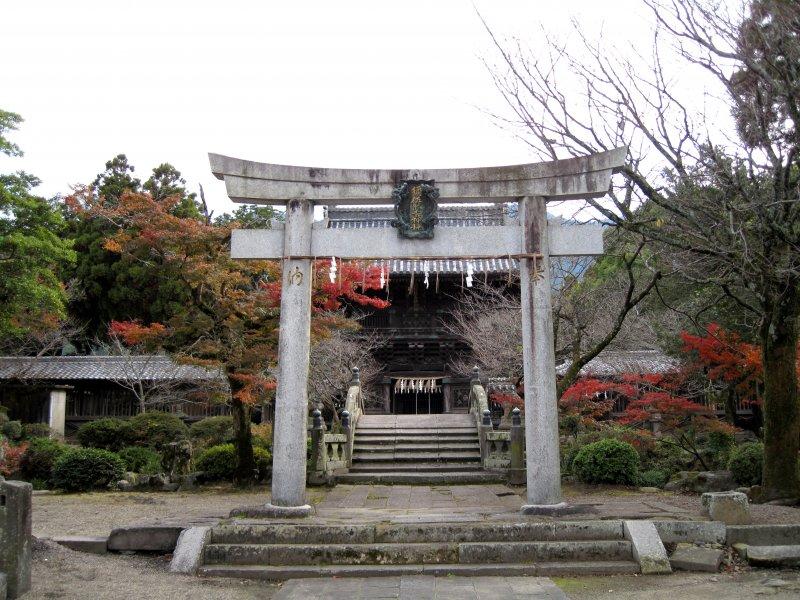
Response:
column 718, row 448
column 212, row 431
column 607, row 461
column 653, row 478
column 217, row 462
column 106, row 434
column 668, row 457
column 39, row 458
column 84, row 469
column 157, row 429
column 141, row 460
column 263, row 459
column 12, row 430
column 747, row 463
column 35, row 430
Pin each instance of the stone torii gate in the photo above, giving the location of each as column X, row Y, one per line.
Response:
column 532, row 241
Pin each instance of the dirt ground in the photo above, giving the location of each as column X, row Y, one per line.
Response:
column 58, row 572
column 98, row 513
column 690, row 586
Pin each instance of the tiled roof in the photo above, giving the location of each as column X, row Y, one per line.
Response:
column 616, row 362
column 68, row 368
column 380, row 217
column 453, row 266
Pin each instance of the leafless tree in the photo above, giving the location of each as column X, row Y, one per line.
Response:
column 722, row 197
column 332, row 361
column 157, row 381
column 590, row 313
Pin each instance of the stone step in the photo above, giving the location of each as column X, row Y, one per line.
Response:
column 420, row 478
column 254, row 531
column 432, row 432
column 416, row 439
column 434, row 446
column 418, row 456
column 431, row 467
column 545, row 569
column 416, row 553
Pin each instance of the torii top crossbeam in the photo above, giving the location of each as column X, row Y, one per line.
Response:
column 569, row 179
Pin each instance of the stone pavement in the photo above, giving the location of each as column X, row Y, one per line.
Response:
column 403, row 503
column 421, row 587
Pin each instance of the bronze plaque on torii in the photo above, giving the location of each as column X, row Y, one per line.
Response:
column 415, row 206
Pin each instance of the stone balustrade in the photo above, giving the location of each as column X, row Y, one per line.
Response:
column 333, row 452
column 500, row 449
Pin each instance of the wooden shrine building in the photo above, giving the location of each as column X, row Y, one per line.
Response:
column 417, row 358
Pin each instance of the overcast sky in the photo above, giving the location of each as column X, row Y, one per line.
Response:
column 392, row 84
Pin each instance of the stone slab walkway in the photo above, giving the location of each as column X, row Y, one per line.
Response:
column 404, row 503
column 420, row 587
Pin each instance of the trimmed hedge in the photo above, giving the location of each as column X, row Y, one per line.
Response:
column 39, row 458
column 84, row 469
column 141, row 460
column 157, row 429
column 653, row 478
column 12, row 430
column 607, row 461
column 747, row 463
column 219, row 462
column 35, row 430
column 106, row 434
column 212, row 431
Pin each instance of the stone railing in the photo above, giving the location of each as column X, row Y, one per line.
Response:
column 495, row 445
column 333, row 452
column 500, row 449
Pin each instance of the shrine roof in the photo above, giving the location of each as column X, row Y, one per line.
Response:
column 68, row 368
column 382, row 216
column 616, row 362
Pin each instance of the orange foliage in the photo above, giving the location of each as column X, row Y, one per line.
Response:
column 13, row 455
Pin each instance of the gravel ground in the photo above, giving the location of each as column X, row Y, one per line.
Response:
column 761, row 513
column 690, row 586
column 58, row 572
column 100, row 512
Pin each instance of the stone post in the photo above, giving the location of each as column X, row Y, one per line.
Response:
column 291, row 398
column 486, row 427
column 15, row 536
column 347, row 429
column 538, row 354
column 318, row 450
column 516, row 470
column 57, row 412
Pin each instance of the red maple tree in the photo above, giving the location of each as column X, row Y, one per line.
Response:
column 230, row 321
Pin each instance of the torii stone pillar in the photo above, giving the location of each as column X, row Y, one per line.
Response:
column 294, row 344
column 538, row 360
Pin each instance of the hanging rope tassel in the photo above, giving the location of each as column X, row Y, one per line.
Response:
column 509, row 269
column 437, row 280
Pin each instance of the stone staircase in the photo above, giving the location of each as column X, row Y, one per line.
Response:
column 278, row 551
column 421, row 449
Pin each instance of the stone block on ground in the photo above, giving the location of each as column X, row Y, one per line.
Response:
column 648, row 550
column 90, row 544
column 774, row 556
column 188, row 555
column 15, row 536
column 764, row 535
column 688, row 557
column 705, row 532
column 732, row 508
column 702, row 481
column 3, row 589
column 145, row 538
